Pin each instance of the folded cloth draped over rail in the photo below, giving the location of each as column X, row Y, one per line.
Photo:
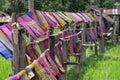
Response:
column 42, row 62
column 99, row 31
column 19, row 75
column 84, row 19
column 40, row 72
column 60, row 20
column 51, row 63
column 92, row 18
column 42, row 20
column 9, row 26
column 30, row 52
column 48, row 19
column 90, row 33
column 43, row 44
column 5, row 41
column 15, row 77
column 6, row 31
column 72, row 39
column 5, row 52
column 32, row 14
column 52, row 18
column 22, row 22
column 36, row 27
column 64, row 17
column 73, row 16
column 87, row 17
column 33, row 27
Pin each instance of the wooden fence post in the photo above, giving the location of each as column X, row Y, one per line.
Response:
column 18, row 60
column 64, row 47
column 30, row 4
column 52, row 46
column 114, row 33
column 101, row 26
column 83, row 57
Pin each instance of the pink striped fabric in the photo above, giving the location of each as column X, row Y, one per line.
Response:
column 33, row 15
column 85, row 20
column 15, row 77
column 6, row 31
column 22, row 22
column 42, row 62
column 48, row 19
column 9, row 26
column 34, row 26
column 52, row 18
column 52, row 62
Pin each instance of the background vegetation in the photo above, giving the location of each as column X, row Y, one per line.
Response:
column 20, row 6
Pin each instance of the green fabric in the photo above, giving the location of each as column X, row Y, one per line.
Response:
column 38, row 49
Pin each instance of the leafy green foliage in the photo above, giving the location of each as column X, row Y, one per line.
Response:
column 21, row 6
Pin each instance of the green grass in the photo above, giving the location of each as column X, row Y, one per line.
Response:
column 5, row 68
column 105, row 67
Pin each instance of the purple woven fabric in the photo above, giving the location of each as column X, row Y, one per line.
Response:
column 34, row 26
column 33, row 15
column 91, row 33
column 22, row 22
column 85, row 20
column 15, row 77
column 41, row 61
column 50, row 22
column 6, row 31
column 52, row 62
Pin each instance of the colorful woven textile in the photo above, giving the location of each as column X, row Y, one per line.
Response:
column 5, row 52
column 42, row 20
column 60, row 20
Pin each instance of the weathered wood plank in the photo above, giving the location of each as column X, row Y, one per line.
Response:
column 102, row 38
column 30, row 4
column 52, row 46
column 114, row 33
column 15, row 60
column 18, row 61
column 108, row 18
column 83, row 57
column 64, row 48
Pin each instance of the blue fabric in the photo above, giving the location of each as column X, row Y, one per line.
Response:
column 29, row 14
column 5, row 52
column 71, row 32
column 87, row 37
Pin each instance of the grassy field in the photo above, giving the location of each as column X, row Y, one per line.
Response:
column 5, row 67
column 105, row 67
